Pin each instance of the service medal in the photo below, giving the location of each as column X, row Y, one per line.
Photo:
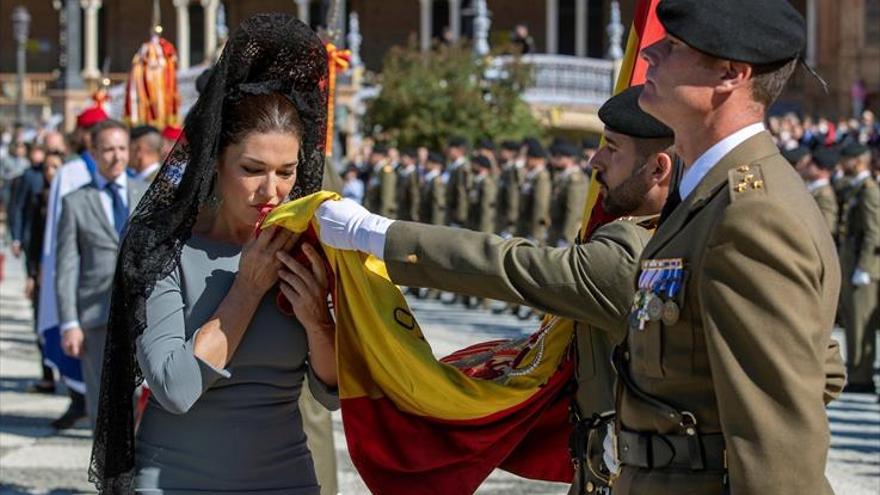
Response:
column 654, row 308
column 670, row 313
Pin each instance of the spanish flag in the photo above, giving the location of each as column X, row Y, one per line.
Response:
column 645, row 31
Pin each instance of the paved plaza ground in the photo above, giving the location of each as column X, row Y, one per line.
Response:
column 35, row 459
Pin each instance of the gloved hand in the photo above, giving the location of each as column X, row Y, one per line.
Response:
column 345, row 224
column 860, row 278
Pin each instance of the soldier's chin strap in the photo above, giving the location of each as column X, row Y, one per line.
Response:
column 815, row 74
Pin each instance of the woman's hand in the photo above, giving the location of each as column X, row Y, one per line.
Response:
column 306, row 288
column 258, row 266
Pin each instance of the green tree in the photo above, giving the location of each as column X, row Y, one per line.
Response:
column 427, row 98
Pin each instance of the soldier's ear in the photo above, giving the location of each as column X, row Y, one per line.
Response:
column 661, row 167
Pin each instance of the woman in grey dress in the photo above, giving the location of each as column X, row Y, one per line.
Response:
column 231, row 323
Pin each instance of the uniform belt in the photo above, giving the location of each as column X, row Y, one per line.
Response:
column 656, row 451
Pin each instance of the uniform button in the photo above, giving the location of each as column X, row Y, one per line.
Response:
column 590, row 487
column 412, row 258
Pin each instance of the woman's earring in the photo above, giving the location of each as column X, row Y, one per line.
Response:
column 214, row 199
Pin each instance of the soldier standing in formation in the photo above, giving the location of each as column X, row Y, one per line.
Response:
column 381, row 189
column 570, row 187
column 816, row 170
column 534, row 207
column 482, row 196
column 458, row 182
column 859, row 236
column 408, row 186
column 509, row 182
column 723, row 369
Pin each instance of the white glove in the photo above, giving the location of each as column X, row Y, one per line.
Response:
column 609, row 455
column 345, row 224
column 860, row 277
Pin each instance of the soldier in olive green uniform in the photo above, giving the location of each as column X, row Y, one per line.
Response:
column 381, row 191
column 589, row 282
column 860, row 262
column 569, row 196
column 509, row 183
column 816, row 171
column 724, row 369
column 535, row 192
column 408, row 187
column 482, row 196
column 432, row 198
column 458, row 183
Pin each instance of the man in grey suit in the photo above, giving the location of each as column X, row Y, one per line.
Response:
column 91, row 224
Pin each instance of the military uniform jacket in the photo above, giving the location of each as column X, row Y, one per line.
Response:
column 457, row 187
column 567, row 206
column 432, row 200
column 534, row 210
column 860, row 229
column 482, row 198
column 826, row 199
column 749, row 356
column 408, row 194
column 509, row 182
column 381, row 194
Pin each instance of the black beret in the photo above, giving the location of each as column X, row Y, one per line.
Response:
column 410, row 152
column 621, row 113
column 794, row 155
column 435, row 157
column 826, row 158
column 854, row 149
column 485, row 144
column 751, row 31
column 590, row 143
column 564, row 148
column 531, row 141
column 457, row 142
column 510, row 145
column 141, row 131
column 481, row 161
column 534, row 149
column 380, row 148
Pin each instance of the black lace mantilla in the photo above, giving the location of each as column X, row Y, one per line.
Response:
column 267, row 53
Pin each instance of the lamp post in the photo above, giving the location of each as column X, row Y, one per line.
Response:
column 21, row 22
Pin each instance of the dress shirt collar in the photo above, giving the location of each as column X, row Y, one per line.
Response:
column 861, row 177
column 702, row 165
column 121, row 181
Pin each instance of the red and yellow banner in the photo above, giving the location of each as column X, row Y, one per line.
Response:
column 419, row 425
column 645, row 31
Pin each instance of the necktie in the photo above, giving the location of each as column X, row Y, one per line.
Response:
column 674, row 197
column 120, row 210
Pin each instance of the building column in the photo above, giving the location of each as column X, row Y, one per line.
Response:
column 210, row 7
column 302, row 7
column 70, row 39
column 455, row 19
column 426, row 22
column 812, row 32
column 552, row 26
column 183, row 36
column 90, row 69
column 580, row 28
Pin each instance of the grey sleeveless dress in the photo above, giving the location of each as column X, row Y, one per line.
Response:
column 231, row 430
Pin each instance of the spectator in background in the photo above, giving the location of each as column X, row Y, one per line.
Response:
column 521, row 39
column 353, row 187
column 28, row 224
column 146, row 150
column 11, row 168
column 858, row 93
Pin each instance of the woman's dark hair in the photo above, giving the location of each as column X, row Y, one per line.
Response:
column 260, row 113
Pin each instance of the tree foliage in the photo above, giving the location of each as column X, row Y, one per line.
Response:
column 428, row 97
